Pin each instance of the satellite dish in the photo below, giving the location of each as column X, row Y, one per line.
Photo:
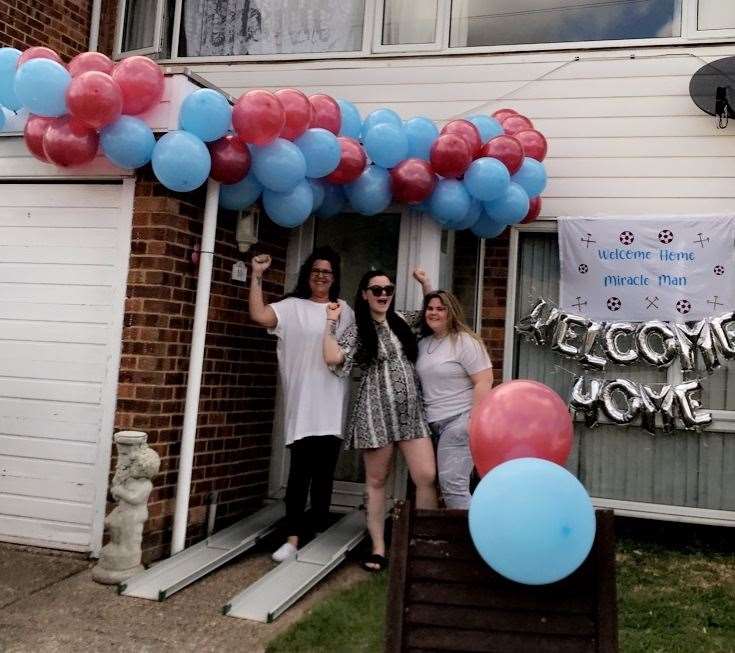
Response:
column 712, row 89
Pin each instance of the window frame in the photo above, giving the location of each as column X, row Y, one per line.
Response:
column 690, row 14
column 155, row 48
column 441, row 34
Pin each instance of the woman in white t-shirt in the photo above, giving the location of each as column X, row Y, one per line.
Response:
column 312, row 434
column 455, row 373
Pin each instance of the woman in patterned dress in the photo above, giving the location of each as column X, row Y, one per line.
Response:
column 388, row 411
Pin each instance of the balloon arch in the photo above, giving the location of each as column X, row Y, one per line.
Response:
column 301, row 154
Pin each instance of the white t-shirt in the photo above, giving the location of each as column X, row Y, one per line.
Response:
column 444, row 374
column 313, row 397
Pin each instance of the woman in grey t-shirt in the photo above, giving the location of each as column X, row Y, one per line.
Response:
column 455, row 373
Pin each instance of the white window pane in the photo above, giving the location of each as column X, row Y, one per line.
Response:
column 139, row 24
column 407, row 21
column 715, row 14
column 506, row 22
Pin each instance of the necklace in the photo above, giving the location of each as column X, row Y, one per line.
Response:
column 438, row 342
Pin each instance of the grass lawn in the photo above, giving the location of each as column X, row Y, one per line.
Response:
column 676, row 594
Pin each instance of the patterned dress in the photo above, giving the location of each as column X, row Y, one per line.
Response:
column 389, row 407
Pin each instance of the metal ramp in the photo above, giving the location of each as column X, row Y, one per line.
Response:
column 182, row 569
column 270, row 596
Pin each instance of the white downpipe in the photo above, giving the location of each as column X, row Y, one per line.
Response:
column 196, row 360
column 94, row 25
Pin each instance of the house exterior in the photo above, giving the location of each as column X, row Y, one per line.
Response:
column 98, row 283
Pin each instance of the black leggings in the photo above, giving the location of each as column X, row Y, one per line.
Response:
column 313, row 460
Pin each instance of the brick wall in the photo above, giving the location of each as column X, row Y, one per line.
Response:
column 493, row 300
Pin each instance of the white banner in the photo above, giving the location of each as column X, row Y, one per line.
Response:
column 637, row 268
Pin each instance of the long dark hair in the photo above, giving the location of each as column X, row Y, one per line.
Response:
column 303, row 289
column 366, row 325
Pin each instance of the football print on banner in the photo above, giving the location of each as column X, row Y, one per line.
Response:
column 639, row 268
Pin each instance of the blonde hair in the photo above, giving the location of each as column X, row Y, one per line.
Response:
column 455, row 316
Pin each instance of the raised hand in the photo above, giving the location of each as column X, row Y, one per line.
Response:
column 334, row 310
column 260, row 263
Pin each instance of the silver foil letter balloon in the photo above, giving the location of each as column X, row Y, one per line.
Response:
column 611, row 343
column 587, row 356
column 655, row 328
column 653, row 402
column 688, row 337
column 626, row 389
column 724, row 337
column 585, row 402
column 566, row 334
column 689, row 406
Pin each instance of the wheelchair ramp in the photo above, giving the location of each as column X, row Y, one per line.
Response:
column 269, row 597
column 169, row 576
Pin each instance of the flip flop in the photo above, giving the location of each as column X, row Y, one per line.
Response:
column 380, row 561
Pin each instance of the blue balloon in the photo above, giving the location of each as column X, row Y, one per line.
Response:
column 241, row 195
column 292, row 208
column 532, row 521
column 2, row 118
column 471, row 217
column 128, row 142
column 531, row 176
column 386, row 144
column 279, row 166
column 486, row 178
column 333, row 203
column 206, row 114
column 8, row 61
column 317, row 188
column 421, row 133
column 40, row 85
column 181, row 162
column 370, row 193
column 380, row 116
column 351, row 119
column 321, row 151
column 511, row 207
column 487, row 126
column 487, row 227
column 450, row 202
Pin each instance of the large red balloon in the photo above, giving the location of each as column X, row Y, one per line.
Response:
column 38, row 52
column 69, row 142
column 514, row 124
column 327, row 114
column 87, row 61
column 534, row 210
column 299, row 112
column 141, row 82
column 258, row 117
column 94, row 98
column 450, row 155
column 351, row 164
column 506, row 149
column 230, row 159
column 534, row 143
column 33, row 135
column 502, row 114
column 520, row 419
column 412, row 181
column 466, row 130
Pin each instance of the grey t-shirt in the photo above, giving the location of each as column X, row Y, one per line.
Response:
column 444, row 367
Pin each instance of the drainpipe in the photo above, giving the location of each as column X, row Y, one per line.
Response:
column 94, row 25
column 196, row 360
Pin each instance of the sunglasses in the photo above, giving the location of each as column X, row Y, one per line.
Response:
column 378, row 291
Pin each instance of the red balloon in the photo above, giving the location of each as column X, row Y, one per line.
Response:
column 450, row 155
column 94, row 98
column 33, row 135
column 87, row 61
column 69, row 142
column 466, row 130
column 506, row 149
column 258, row 117
column 299, row 112
column 326, row 112
column 412, row 181
column 502, row 114
column 230, row 159
column 351, row 164
column 514, row 124
column 520, row 419
column 534, row 144
column 38, row 52
column 141, row 82
column 534, row 210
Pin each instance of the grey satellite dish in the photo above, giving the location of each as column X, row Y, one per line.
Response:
column 712, row 89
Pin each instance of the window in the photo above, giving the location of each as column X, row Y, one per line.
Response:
column 409, row 22
column 140, row 25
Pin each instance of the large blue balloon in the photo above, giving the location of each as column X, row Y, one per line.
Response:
column 279, row 166
column 370, row 193
column 511, row 207
column 532, row 521
column 289, row 209
column 487, row 227
column 333, row 203
column 386, row 144
column 40, row 85
column 2, row 118
column 128, row 142
column 351, row 119
column 181, row 162
column 487, row 126
column 450, row 202
column 317, row 188
column 241, row 195
column 471, row 217
column 486, row 178
column 321, row 151
column 531, row 177
column 8, row 61
column 421, row 133
column 380, row 116
column 206, row 114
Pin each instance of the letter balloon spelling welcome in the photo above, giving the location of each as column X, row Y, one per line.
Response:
column 303, row 155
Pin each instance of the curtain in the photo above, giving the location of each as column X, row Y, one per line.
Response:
column 406, row 21
column 140, row 23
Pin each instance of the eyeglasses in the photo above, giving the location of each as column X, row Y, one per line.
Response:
column 319, row 272
column 379, row 291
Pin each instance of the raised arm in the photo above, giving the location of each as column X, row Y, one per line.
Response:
column 333, row 354
column 420, row 275
column 260, row 312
